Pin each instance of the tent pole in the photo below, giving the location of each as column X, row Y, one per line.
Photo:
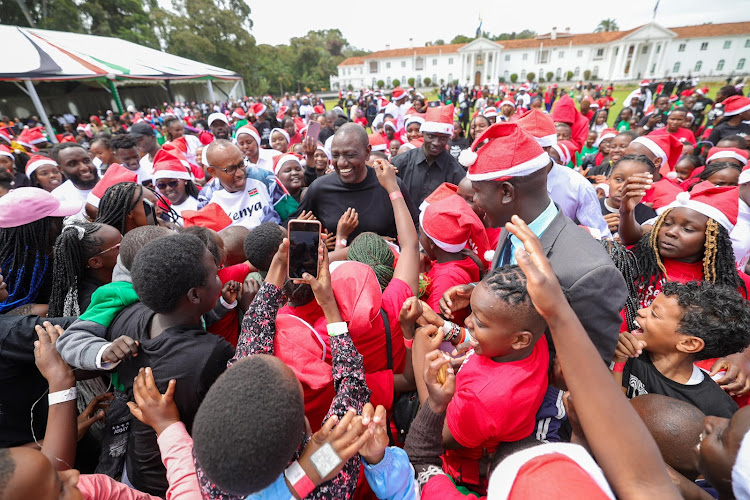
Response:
column 232, row 95
column 169, row 91
column 116, row 95
column 40, row 109
column 210, row 91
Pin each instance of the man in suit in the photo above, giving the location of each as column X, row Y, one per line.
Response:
column 509, row 175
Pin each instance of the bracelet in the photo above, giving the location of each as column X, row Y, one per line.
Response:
column 450, row 331
column 342, row 242
column 408, row 343
column 463, row 336
column 618, row 367
column 62, row 396
column 299, row 480
column 395, row 195
column 336, row 329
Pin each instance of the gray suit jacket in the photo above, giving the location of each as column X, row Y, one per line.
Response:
column 595, row 287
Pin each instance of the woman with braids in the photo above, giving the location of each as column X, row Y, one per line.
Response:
column 85, row 254
column 30, row 220
column 127, row 205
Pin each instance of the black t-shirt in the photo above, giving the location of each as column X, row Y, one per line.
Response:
column 456, row 146
column 328, row 198
column 192, row 356
column 641, row 377
column 724, row 129
column 21, row 383
column 264, row 131
column 661, row 124
column 642, row 212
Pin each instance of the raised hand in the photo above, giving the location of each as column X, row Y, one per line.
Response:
column 230, row 291
column 250, row 289
column 121, row 348
column 151, row 407
column 454, row 299
column 52, row 367
column 628, row 347
column 375, row 420
column 440, row 380
column 386, row 174
column 94, row 412
column 348, row 222
column 634, row 190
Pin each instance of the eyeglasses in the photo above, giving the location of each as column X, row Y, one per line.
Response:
column 163, row 185
column 105, row 251
column 231, row 170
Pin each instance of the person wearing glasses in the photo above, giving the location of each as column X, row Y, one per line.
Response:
column 174, row 182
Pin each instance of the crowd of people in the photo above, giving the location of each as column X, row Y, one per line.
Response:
column 517, row 296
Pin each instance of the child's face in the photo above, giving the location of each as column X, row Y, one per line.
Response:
column 618, row 177
column 717, row 450
column 35, row 477
column 393, row 148
column 493, row 326
column 682, row 236
column 684, row 168
column 590, row 139
column 626, row 114
column 210, row 292
column 618, row 146
column 725, row 177
column 658, row 324
column 605, row 146
column 563, row 132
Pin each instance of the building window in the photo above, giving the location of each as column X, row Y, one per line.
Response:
column 388, row 65
column 741, row 64
column 747, row 43
column 599, row 55
column 523, row 75
column 507, row 57
column 644, row 50
column 676, row 67
column 349, row 71
column 490, row 58
column 373, row 66
column 450, row 60
column 698, row 66
column 560, row 54
column 525, row 57
column 403, row 80
column 727, row 44
column 403, row 64
column 434, row 78
column 653, row 68
column 450, row 77
column 419, row 65
column 388, row 82
column 558, row 73
column 595, row 74
column 434, row 62
column 505, row 74
column 617, row 50
column 704, row 46
column 681, row 48
column 658, row 49
column 577, row 71
column 468, row 58
column 580, row 53
column 720, row 65
column 542, row 56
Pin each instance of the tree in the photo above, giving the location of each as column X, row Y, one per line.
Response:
column 461, row 39
column 549, row 76
column 439, row 41
column 396, row 82
column 59, row 15
column 381, row 84
column 607, row 25
column 569, row 75
column 587, row 74
column 411, row 82
column 502, row 79
column 514, row 78
column 531, row 76
column 124, row 19
column 428, row 81
column 513, row 36
column 542, row 80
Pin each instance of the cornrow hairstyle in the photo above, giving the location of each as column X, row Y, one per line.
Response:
column 717, row 314
column 508, row 284
column 718, row 258
column 639, row 158
column 717, row 166
column 26, row 261
column 117, row 202
column 627, row 264
column 372, row 250
column 76, row 244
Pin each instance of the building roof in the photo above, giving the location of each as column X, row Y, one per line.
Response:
column 563, row 39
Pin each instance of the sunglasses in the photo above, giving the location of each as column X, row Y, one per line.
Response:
column 163, row 185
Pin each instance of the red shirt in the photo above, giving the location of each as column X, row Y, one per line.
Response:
column 683, row 135
column 228, row 327
column 448, row 274
column 493, row 403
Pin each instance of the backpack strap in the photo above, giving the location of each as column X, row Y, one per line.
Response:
column 388, row 340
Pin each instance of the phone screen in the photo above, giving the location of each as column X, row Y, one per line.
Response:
column 313, row 130
column 304, row 239
column 150, row 212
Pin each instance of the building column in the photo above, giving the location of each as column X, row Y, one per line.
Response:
column 619, row 72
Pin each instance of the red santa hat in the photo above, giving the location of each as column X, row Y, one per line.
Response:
column 115, row 174
column 721, row 203
column 398, row 93
column 566, row 150
column 686, row 93
column 249, row 130
column 281, row 113
column 450, row 223
column 377, row 143
column 540, row 126
column 702, row 91
column 278, row 161
column 557, row 466
column 6, row 151
column 282, row 132
column 238, row 113
column 438, row 120
column 507, row 102
column 490, row 111
column 608, row 133
column 510, row 152
column 169, row 166
column 211, row 216
column 735, row 105
column 31, row 136
column 259, row 108
column 37, row 161
column 645, row 83
column 319, row 109
column 390, row 123
column 745, row 175
column 414, row 118
column 666, row 147
column 443, row 191
column 6, row 136
column 732, row 153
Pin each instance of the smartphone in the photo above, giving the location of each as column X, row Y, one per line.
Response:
column 313, row 131
column 150, row 211
column 304, row 240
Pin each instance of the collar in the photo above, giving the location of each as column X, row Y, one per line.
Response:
column 610, row 209
column 537, row 226
column 440, row 160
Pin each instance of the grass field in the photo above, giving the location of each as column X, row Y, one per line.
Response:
column 620, row 93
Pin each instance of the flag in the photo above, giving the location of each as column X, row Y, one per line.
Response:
column 656, row 7
column 479, row 29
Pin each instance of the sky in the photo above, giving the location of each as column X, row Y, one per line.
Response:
column 444, row 19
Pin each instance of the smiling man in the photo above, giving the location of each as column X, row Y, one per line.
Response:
column 79, row 171
column 354, row 185
column 423, row 169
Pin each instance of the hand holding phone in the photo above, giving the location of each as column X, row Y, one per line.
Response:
column 304, row 240
column 313, row 131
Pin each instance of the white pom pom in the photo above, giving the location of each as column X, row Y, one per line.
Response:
column 672, row 175
column 683, row 198
column 489, row 255
column 467, row 158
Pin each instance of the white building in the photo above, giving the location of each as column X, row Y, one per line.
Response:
column 649, row 51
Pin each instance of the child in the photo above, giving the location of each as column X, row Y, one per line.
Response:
column 260, row 246
column 624, row 123
column 588, row 147
column 625, row 167
column 500, row 386
column 684, row 324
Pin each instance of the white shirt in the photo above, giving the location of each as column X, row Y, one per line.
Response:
column 247, row 207
column 577, row 198
column 740, row 236
column 189, row 204
column 67, row 191
column 146, row 169
column 265, row 159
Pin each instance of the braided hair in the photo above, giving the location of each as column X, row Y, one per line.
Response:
column 718, row 258
column 73, row 248
column 371, row 249
column 625, row 262
column 508, row 284
column 26, row 261
column 717, row 166
column 117, row 203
